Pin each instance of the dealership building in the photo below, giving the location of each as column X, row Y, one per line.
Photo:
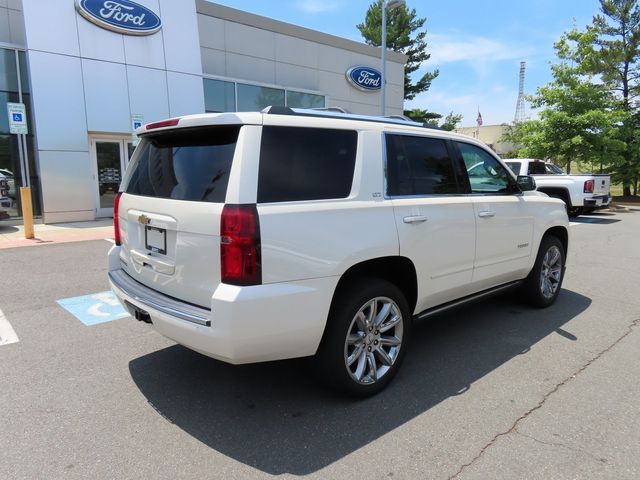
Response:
column 89, row 71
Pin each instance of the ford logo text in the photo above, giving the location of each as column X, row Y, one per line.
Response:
column 366, row 79
column 121, row 16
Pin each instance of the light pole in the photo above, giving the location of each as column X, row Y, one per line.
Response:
column 386, row 4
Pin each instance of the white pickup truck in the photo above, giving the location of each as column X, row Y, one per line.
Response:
column 581, row 193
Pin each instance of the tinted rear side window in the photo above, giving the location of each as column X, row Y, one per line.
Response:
column 305, row 164
column 186, row 164
column 419, row 166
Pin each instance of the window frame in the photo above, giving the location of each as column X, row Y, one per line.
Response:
column 513, row 184
column 459, row 175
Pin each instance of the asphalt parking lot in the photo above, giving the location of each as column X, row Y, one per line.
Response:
column 495, row 390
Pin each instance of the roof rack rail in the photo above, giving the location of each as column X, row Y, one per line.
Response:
column 331, row 109
column 333, row 112
column 399, row 117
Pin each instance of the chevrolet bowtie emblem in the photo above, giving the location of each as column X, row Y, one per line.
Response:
column 144, row 220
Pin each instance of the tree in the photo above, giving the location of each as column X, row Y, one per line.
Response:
column 401, row 26
column 610, row 49
column 577, row 122
column 449, row 123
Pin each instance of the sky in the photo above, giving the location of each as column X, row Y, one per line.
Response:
column 476, row 45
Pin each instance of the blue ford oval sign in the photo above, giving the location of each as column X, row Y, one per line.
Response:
column 121, row 16
column 366, row 79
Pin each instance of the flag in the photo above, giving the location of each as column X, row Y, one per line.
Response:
column 479, row 119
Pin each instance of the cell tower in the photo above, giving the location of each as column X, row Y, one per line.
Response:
column 520, row 115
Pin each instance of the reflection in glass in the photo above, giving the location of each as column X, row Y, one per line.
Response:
column 304, row 100
column 219, row 96
column 108, row 156
column 252, row 98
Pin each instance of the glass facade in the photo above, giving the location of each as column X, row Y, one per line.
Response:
column 220, row 96
column 9, row 147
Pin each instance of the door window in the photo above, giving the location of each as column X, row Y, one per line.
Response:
column 486, row 174
column 109, row 172
column 419, row 166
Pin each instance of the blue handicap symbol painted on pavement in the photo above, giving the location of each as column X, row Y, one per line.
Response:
column 17, row 117
column 95, row 308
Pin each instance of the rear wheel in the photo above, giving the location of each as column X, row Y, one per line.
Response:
column 542, row 286
column 366, row 337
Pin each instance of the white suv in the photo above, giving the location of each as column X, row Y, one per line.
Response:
column 261, row 236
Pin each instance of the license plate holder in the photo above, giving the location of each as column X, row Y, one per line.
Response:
column 155, row 239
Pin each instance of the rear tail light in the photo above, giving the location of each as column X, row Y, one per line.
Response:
column 116, row 218
column 240, row 245
column 588, row 186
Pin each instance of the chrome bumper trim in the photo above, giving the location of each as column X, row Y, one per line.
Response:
column 157, row 301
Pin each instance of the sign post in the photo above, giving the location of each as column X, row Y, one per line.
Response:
column 18, row 126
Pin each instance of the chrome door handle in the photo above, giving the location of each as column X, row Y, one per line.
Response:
column 414, row 219
column 486, row 214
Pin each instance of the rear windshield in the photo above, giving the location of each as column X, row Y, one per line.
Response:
column 185, row 164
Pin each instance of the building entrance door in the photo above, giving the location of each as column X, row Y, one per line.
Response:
column 110, row 157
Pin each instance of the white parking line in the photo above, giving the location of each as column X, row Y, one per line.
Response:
column 7, row 333
column 110, row 240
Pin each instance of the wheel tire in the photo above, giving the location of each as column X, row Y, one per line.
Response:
column 351, row 303
column 543, row 284
column 574, row 212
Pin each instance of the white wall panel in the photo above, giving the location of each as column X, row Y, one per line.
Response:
column 145, row 51
column 148, row 93
column 395, row 73
column 253, row 69
column 98, row 43
column 249, row 41
column 3, row 3
column 296, row 51
column 58, row 101
column 294, row 76
column 186, row 94
column 180, row 33
column 52, row 26
column 16, row 28
column 67, row 181
column 5, row 33
column 214, row 62
column 333, row 59
column 334, row 84
column 211, row 32
column 106, row 96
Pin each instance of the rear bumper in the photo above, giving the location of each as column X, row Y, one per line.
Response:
column 245, row 324
column 597, row 201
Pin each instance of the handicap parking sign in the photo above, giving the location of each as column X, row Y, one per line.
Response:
column 17, row 118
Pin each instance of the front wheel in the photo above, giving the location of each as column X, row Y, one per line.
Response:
column 366, row 337
column 542, row 286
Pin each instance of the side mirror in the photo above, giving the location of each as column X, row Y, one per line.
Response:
column 526, row 183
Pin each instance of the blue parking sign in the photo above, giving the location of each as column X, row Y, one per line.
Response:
column 17, row 117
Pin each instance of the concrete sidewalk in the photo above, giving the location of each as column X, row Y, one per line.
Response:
column 13, row 236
